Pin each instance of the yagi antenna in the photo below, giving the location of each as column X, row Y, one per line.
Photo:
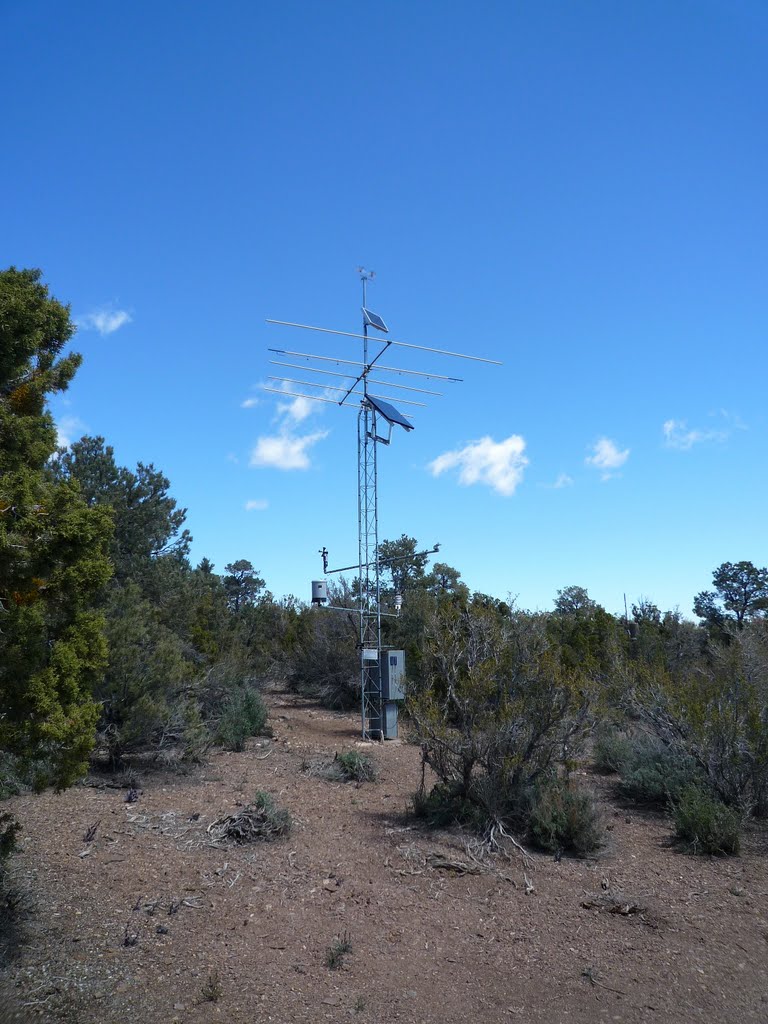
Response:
column 332, row 373
column 390, row 341
column 352, row 362
column 377, row 416
column 329, row 387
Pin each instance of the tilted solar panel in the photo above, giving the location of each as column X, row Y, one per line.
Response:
column 374, row 320
column 389, row 412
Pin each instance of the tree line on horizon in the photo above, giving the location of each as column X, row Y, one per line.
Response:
column 112, row 644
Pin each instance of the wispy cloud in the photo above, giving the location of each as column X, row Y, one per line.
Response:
column 249, row 403
column 105, row 320
column 296, row 410
column 498, row 464
column 285, row 451
column 69, row 429
column 607, row 457
column 678, row 435
column 563, row 480
column 256, row 505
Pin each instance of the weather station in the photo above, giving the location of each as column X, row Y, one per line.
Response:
column 359, row 383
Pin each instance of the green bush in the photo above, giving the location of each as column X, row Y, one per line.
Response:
column 326, row 662
column 654, row 774
column 560, row 817
column 244, row 715
column 334, row 955
column 15, row 899
column 445, row 804
column 356, row 767
column 498, row 711
column 612, row 750
column 277, row 820
column 715, row 709
column 9, row 829
column 195, row 738
column 11, row 782
column 350, row 767
column 705, row 824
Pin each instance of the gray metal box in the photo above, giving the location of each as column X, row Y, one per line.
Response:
column 390, row 720
column 392, row 667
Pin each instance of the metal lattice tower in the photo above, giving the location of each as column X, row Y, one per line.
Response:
column 370, row 578
column 368, row 554
column 374, row 411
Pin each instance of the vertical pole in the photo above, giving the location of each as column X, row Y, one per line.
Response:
column 368, row 554
column 362, row 428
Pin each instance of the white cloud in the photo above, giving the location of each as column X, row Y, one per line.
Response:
column 734, row 421
column 500, row 464
column 256, row 505
column 297, row 410
column 281, row 451
column 607, row 457
column 249, row 403
column 563, row 480
column 285, row 449
column 677, row 435
column 104, row 320
column 69, row 429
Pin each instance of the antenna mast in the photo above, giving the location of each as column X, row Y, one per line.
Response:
column 379, row 675
column 368, row 548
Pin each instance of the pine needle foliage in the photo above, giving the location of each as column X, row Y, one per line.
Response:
column 53, row 550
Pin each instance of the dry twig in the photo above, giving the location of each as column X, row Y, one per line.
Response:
column 256, row 821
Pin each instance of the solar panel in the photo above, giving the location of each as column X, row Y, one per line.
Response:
column 389, row 412
column 374, row 320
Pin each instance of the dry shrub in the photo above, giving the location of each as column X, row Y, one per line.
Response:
column 717, row 714
column 244, row 715
column 611, row 751
column 334, row 956
column 260, row 820
column 499, row 713
column 705, row 824
column 561, row 817
column 655, row 774
column 350, row 767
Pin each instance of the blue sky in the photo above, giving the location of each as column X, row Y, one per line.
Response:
column 578, row 190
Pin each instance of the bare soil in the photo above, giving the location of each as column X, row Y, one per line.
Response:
column 149, row 922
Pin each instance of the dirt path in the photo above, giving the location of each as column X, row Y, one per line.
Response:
column 149, row 923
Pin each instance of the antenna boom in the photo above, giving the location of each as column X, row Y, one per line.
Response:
column 400, row 344
column 330, row 387
column 352, row 362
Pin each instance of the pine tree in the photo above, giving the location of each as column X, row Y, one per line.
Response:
column 53, row 548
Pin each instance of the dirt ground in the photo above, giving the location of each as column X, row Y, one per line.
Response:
column 149, row 922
